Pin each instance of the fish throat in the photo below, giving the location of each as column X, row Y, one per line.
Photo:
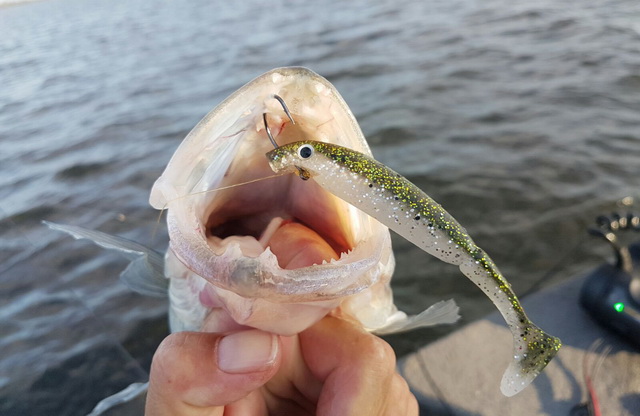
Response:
column 278, row 214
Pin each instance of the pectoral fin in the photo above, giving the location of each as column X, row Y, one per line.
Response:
column 145, row 273
column 443, row 312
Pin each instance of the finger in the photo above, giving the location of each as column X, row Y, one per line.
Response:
column 192, row 373
column 356, row 369
column 400, row 400
column 357, row 373
column 294, row 389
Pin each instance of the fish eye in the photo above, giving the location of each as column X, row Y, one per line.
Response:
column 305, row 151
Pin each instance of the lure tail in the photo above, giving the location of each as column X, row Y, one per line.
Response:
column 533, row 349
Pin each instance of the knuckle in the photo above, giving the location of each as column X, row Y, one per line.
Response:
column 166, row 360
column 376, row 350
column 400, row 400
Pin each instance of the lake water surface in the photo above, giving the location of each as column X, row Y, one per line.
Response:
column 521, row 118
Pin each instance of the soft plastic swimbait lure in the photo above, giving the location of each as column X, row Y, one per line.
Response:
column 404, row 208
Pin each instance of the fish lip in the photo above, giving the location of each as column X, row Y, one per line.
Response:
column 174, row 181
column 186, row 173
column 254, row 277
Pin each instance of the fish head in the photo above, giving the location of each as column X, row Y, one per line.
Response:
column 279, row 242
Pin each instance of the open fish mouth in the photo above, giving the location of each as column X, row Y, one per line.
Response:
column 281, row 239
column 275, row 253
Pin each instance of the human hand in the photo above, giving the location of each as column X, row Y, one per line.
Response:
column 332, row 368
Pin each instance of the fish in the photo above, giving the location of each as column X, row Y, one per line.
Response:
column 248, row 248
column 400, row 205
column 232, row 250
column 262, row 254
column 265, row 254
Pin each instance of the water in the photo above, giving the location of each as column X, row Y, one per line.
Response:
column 520, row 118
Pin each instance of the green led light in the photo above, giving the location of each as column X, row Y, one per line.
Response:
column 618, row 306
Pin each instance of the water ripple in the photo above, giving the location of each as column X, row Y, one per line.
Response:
column 520, row 118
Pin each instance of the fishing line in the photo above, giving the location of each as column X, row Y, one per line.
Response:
column 594, row 401
column 222, row 188
column 589, row 374
column 269, row 135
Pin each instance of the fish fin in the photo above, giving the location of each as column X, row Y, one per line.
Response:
column 132, row 396
column 145, row 273
column 443, row 312
column 531, row 355
column 141, row 277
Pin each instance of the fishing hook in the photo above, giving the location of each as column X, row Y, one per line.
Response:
column 284, row 107
column 264, row 119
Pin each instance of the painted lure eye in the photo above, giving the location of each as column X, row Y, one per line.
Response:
column 305, row 151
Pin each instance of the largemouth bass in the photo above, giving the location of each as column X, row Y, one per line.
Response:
column 281, row 253
column 274, row 254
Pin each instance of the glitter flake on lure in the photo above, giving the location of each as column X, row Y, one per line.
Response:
column 404, row 208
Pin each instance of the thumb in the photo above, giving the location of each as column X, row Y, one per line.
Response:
column 194, row 372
